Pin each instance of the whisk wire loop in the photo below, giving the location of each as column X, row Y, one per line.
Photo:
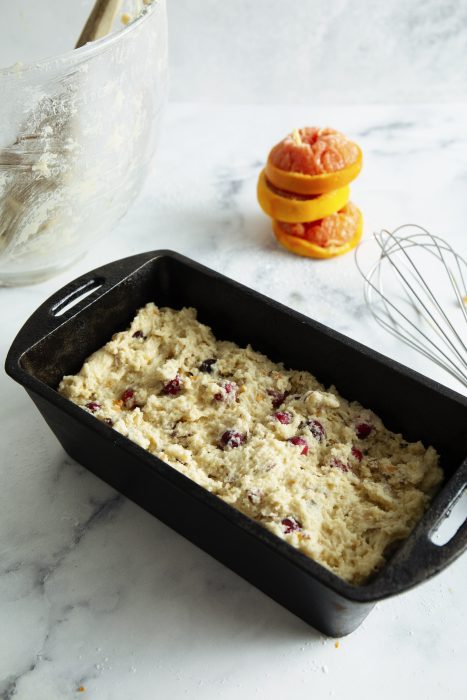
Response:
column 408, row 295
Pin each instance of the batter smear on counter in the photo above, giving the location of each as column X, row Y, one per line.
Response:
column 320, row 472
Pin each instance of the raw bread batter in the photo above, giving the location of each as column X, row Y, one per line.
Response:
column 321, row 473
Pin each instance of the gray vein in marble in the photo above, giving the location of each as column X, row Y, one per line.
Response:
column 229, row 187
column 11, row 683
column 401, row 153
column 385, row 128
column 103, row 511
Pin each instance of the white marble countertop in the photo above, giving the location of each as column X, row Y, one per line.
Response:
column 95, row 592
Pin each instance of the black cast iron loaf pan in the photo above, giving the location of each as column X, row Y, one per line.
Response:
column 57, row 339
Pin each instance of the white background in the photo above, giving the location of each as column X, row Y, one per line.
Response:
column 275, row 51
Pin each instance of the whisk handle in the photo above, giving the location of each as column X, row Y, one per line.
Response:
column 420, row 558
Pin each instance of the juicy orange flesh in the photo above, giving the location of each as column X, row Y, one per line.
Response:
column 333, row 230
column 314, row 152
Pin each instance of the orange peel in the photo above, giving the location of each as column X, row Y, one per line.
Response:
column 301, row 246
column 301, row 183
column 298, row 210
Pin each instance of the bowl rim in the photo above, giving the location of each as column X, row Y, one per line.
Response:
column 83, row 52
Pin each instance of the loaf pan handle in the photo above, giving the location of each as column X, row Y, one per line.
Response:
column 420, row 558
column 83, row 290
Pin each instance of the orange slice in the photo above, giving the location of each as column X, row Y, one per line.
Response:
column 292, row 208
column 313, row 161
column 332, row 236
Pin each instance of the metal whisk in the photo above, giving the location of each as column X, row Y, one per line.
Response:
column 416, row 290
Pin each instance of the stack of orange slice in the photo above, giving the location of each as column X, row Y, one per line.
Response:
column 304, row 188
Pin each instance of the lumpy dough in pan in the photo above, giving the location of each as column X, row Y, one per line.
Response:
column 320, row 472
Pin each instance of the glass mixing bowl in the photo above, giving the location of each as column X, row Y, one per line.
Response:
column 77, row 134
